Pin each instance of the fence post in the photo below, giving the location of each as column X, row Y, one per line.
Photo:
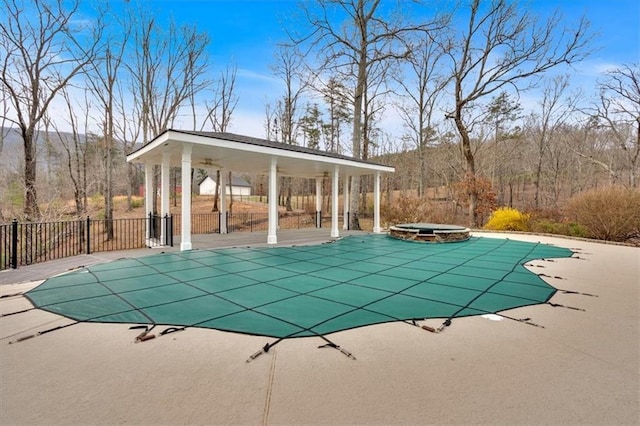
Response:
column 168, row 226
column 14, row 244
column 150, row 225
column 88, row 235
column 171, row 227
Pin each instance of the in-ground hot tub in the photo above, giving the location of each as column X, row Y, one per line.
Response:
column 429, row 232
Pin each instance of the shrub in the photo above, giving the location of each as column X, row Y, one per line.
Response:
column 576, row 230
column 611, row 214
column 486, row 197
column 406, row 209
column 137, row 203
column 508, row 219
column 549, row 226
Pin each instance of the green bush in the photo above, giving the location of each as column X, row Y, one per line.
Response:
column 611, row 214
column 548, row 226
column 576, row 230
column 508, row 219
column 137, row 203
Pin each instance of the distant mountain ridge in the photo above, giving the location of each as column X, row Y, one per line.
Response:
column 12, row 146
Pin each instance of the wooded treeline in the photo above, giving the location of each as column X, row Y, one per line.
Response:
column 78, row 95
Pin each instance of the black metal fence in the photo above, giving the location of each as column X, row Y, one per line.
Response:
column 29, row 243
column 209, row 223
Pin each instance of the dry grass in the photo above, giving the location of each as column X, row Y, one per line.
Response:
column 200, row 204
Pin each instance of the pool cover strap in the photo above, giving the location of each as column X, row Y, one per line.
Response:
column 330, row 344
column 40, row 333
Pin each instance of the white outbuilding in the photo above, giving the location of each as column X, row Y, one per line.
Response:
column 238, row 188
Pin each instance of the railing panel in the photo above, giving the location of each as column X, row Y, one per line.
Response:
column 29, row 243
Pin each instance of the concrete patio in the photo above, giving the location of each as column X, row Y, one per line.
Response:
column 583, row 367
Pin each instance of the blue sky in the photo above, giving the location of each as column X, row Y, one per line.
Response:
column 245, row 32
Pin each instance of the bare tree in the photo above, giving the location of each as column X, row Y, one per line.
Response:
column 225, row 100
column 4, row 130
column 504, row 46
column 350, row 50
column 75, row 147
column 42, row 51
column 105, row 78
column 169, row 65
column 128, row 129
column 501, row 113
column 288, row 67
column 168, row 68
column 619, row 111
column 556, row 108
column 220, row 112
column 422, row 86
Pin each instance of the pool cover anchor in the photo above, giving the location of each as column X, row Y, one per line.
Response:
column 264, row 350
column 445, row 324
column 145, row 335
column 330, row 344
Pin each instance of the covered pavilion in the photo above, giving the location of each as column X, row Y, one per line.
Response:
column 232, row 152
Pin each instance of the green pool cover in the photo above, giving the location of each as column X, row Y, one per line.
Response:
column 286, row 292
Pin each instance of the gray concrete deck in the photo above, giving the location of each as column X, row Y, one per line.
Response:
column 583, row 367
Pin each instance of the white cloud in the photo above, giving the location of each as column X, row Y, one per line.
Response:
column 248, row 123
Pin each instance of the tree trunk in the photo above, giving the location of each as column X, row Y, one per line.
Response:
column 230, row 195
column 108, row 189
column 130, row 187
column 216, row 193
column 536, row 198
column 288, row 198
column 31, row 209
column 471, row 170
column 354, row 205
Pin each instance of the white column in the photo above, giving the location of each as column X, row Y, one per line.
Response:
column 148, row 196
column 272, row 237
column 186, row 197
column 222, row 185
column 345, row 203
column 334, row 203
column 318, row 202
column 164, row 194
column 376, row 204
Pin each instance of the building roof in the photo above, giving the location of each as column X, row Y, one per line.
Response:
column 229, row 151
column 235, row 181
